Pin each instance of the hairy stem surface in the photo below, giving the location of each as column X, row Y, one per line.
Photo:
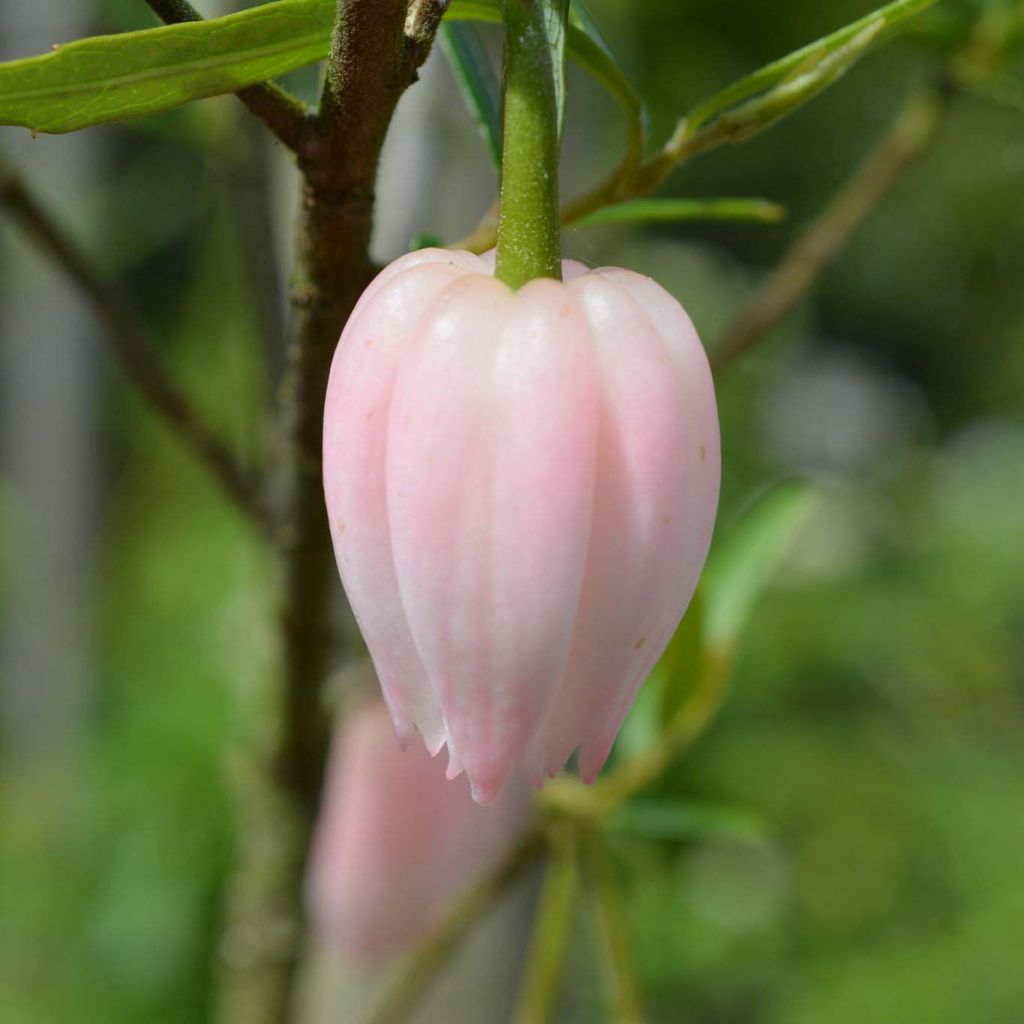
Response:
column 528, row 225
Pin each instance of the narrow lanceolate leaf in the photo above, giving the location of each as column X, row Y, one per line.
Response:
column 555, row 14
column 614, row 80
column 112, row 78
column 804, row 60
column 805, row 82
column 742, row 567
column 680, row 666
column 586, row 49
column 738, row 573
column 650, row 211
column 117, row 77
column 476, row 80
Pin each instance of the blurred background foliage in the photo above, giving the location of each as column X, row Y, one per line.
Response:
column 873, row 730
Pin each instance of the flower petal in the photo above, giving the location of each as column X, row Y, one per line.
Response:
column 656, row 495
column 362, row 378
column 490, row 474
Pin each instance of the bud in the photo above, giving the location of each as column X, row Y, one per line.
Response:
column 396, row 842
column 521, row 489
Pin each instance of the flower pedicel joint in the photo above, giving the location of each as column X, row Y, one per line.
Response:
column 521, row 489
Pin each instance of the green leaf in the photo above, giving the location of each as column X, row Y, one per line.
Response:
column 425, row 240
column 806, row 59
column 117, row 77
column 614, row 80
column 679, row 668
column 112, row 78
column 476, row 80
column 556, row 13
column 587, row 50
column 673, row 821
column 647, row 211
column 744, row 564
column 744, row 121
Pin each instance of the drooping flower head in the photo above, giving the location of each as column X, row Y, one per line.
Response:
column 521, row 489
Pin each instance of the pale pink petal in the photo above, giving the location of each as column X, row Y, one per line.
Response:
column 490, row 469
column 656, row 494
column 571, row 269
column 395, row 843
column 388, row 317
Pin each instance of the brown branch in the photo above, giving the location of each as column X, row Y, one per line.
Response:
column 371, row 63
column 131, row 348
column 826, row 237
column 287, row 118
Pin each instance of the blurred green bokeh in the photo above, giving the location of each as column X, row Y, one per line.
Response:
column 874, row 727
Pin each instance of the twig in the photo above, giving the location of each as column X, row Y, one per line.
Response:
column 371, row 63
column 550, row 930
column 427, row 962
column 819, row 245
column 286, row 117
column 627, row 1007
column 132, row 350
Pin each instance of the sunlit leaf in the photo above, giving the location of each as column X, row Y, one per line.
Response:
column 112, row 78
column 884, row 18
column 476, row 80
column 647, row 211
column 117, row 77
column 745, row 562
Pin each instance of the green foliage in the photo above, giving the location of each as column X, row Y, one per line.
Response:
column 678, row 821
column 607, row 70
column 123, row 871
column 678, row 669
column 833, row 54
column 872, row 729
column 739, row 572
column 656, row 211
column 586, row 48
column 113, row 78
column 743, row 566
column 476, row 81
column 556, row 13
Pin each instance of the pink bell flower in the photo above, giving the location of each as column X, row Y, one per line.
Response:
column 396, row 842
column 521, row 488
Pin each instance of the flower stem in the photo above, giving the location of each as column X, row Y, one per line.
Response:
column 550, row 934
column 528, row 225
column 614, row 934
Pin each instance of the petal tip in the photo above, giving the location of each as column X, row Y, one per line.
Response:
column 485, row 791
column 593, row 757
